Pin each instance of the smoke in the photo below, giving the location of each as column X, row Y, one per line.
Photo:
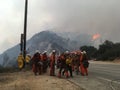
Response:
column 80, row 16
column 83, row 16
column 11, row 41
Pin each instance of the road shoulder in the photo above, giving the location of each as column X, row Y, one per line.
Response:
column 27, row 81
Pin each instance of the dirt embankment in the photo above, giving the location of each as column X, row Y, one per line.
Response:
column 27, row 81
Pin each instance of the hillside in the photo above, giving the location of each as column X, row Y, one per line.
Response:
column 45, row 40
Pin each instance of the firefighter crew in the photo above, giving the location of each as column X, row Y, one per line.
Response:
column 44, row 59
column 52, row 63
column 84, row 63
column 36, row 63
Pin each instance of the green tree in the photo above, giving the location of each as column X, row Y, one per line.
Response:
column 91, row 51
column 108, row 51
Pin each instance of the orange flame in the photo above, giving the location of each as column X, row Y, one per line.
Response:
column 95, row 36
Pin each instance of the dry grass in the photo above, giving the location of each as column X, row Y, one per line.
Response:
column 27, row 81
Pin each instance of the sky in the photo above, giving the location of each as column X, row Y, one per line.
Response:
column 82, row 16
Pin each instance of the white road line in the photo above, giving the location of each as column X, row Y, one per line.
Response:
column 105, row 79
column 111, row 81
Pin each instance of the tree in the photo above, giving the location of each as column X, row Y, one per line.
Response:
column 108, row 51
column 91, row 50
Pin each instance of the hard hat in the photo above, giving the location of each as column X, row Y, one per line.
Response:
column 28, row 55
column 84, row 52
column 53, row 51
column 44, row 52
column 81, row 52
column 37, row 51
column 66, row 51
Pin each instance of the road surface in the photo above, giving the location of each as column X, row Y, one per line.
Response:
column 102, row 76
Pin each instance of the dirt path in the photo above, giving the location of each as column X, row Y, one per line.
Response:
column 27, row 81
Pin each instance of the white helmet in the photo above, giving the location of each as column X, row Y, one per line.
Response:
column 44, row 52
column 53, row 50
column 37, row 51
column 84, row 52
column 67, row 52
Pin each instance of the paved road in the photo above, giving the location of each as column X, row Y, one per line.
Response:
column 108, row 71
column 102, row 76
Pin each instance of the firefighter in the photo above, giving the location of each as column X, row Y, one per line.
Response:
column 28, row 58
column 44, row 59
column 66, row 56
column 58, row 62
column 84, row 63
column 52, row 63
column 77, row 62
column 69, row 66
column 73, row 61
column 62, row 64
column 20, row 61
column 36, row 59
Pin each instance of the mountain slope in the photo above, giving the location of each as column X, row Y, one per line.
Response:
column 45, row 40
column 77, row 39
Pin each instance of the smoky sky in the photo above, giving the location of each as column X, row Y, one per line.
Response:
column 81, row 16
